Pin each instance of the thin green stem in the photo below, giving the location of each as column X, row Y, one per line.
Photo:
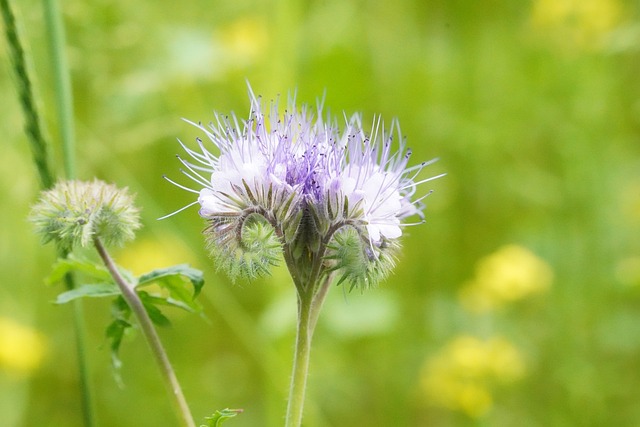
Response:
column 319, row 298
column 33, row 128
column 304, row 334
column 160, row 355
column 310, row 302
column 83, row 365
column 62, row 82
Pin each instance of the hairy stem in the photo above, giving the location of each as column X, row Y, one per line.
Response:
column 33, row 128
column 160, row 355
column 300, row 371
column 309, row 305
column 318, row 300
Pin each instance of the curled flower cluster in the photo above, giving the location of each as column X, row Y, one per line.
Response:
column 334, row 200
column 73, row 212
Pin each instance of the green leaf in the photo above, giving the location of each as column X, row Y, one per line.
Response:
column 176, row 281
column 154, row 312
column 219, row 417
column 116, row 330
column 96, row 290
column 72, row 263
column 166, row 277
column 168, row 301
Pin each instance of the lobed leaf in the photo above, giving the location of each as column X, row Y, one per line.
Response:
column 116, row 330
column 219, row 417
column 152, row 310
column 95, row 290
column 73, row 263
column 166, row 277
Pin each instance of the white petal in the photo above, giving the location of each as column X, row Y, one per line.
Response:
column 390, row 231
column 374, row 232
column 209, row 203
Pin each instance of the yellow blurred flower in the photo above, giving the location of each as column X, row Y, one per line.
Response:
column 245, row 40
column 462, row 375
column 509, row 274
column 21, row 348
column 577, row 23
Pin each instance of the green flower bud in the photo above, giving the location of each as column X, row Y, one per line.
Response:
column 245, row 246
column 357, row 261
column 73, row 212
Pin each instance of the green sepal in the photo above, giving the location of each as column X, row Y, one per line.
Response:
column 95, row 290
column 219, row 417
column 291, row 227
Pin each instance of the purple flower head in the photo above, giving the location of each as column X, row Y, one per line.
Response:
column 309, row 182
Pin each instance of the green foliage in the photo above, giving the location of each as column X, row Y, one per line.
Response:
column 116, row 330
column 175, row 286
column 73, row 263
column 96, row 290
column 536, row 126
column 173, row 279
column 220, row 417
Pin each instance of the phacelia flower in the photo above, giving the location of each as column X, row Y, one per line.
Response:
column 334, row 200
column 73, row 212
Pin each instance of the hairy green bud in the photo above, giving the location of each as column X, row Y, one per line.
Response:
column 73, row 212
column 357, row 261
column 244, row 248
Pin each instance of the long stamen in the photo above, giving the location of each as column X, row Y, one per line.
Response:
column 178, row 211
column 191, row 190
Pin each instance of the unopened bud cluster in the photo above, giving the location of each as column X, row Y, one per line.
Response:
column 331, row 200
column 73, row 212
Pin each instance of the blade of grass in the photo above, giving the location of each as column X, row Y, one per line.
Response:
column 33, row 128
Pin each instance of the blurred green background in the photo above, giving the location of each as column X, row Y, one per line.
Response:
column 517, row 303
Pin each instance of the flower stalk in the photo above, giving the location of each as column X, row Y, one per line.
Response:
column 300, row 370
column 149, row 332
column 309, row 306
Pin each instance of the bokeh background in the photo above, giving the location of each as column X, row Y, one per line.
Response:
column 517, row 303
